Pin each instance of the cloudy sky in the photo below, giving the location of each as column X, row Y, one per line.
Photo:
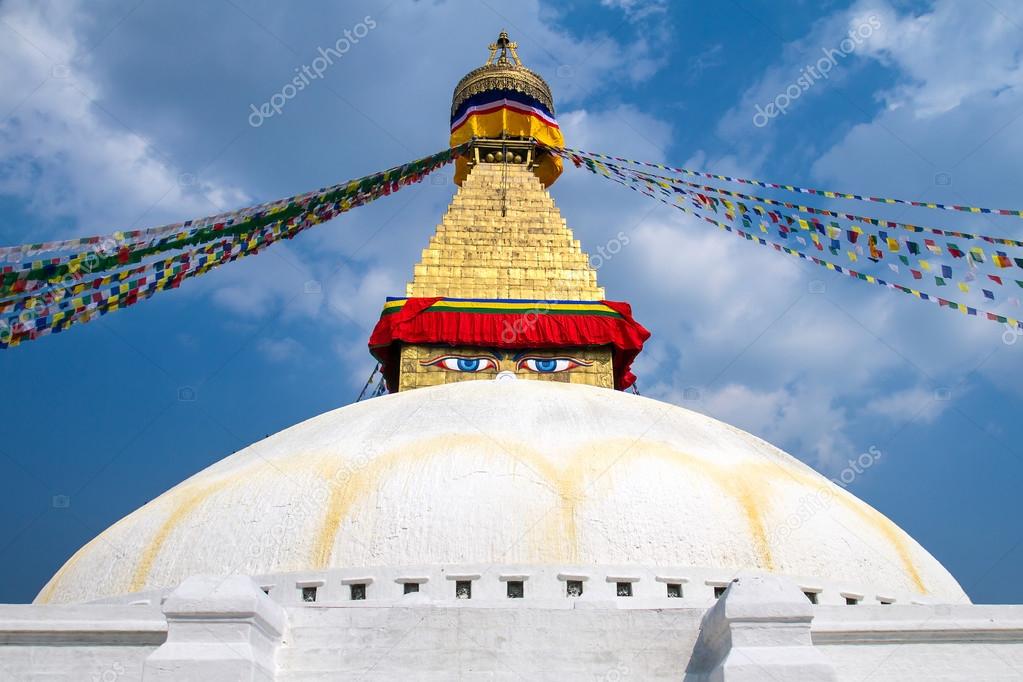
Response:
column 130, row 114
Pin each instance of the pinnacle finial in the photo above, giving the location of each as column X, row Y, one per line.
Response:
column 505, row 45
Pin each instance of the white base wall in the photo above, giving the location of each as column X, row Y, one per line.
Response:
column 78, row 642
column 762, row 628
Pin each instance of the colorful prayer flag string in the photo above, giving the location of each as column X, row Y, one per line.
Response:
column 63, row 297
column 813, row 210
column 148, row 236
column 17, row 279
column 941, row 302
column 816, row 230
column 829, row 194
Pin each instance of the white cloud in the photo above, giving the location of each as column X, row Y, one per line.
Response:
column 280, row 349
column 635, row 134
column 637, row 9
column 276, row 282
column 804, row 419
column 911, row 404
column 67, row 157
column 935, row 78
column 358, row 297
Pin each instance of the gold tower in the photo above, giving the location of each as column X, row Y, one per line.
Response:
column 503, row 247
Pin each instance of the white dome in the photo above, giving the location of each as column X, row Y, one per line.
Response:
column 485, row 472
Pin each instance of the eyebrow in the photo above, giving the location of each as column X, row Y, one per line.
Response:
column 534, row 352
column 478, row 354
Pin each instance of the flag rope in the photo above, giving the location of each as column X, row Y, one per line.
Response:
column 830, row 194
column 814, row 210
column 974, row 257
column 941, row 302
column 52, row 297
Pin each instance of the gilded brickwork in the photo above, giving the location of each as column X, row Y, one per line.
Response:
column 503, row 237
column 415, row 374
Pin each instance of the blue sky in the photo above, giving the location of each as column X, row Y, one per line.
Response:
column 131, row 114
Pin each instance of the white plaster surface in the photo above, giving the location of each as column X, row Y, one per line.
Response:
column 545, row 586
column 220, row 628
column 761, row 628
column 504, row 473
column 78, row 642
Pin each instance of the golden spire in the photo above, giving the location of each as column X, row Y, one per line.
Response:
column 502, row 74
column 505, row 46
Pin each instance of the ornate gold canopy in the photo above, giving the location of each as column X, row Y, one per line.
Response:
column 502, row 73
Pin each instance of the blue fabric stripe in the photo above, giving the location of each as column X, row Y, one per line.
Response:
column 492, row 95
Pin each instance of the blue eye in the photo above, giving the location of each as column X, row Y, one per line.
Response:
column 455, row 363
column 551, row 365
column 546, row 364
column 468, row 364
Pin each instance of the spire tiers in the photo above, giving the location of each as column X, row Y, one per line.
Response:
column 503, row 238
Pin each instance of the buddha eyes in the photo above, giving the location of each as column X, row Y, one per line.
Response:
column 481, row 363
column 456, row 363
column 542, row 365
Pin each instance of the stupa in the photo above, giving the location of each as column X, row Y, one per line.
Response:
column 509, row 510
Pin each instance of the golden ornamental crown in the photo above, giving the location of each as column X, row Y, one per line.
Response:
column 502, row 73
